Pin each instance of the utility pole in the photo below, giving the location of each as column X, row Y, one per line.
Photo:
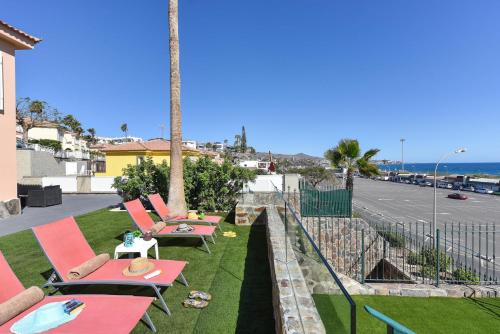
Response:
column 402, row 140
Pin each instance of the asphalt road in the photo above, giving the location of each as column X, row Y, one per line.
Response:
column 72, row 205
column 389, row 202
column 410, row 203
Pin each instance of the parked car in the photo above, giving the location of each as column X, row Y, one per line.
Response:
column 471, row 188
column 457, row 196
column 483, row 191
column 444, row 185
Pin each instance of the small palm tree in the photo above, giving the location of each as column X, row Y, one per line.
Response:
column 124, row 128
column 92, row 136
column 347, row 154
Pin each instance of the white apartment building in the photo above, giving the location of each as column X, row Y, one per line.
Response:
column 69, row 140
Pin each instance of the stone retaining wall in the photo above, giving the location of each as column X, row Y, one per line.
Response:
column 294, row 308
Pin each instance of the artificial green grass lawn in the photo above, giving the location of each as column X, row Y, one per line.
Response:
column 236, row 274
column 422, row 315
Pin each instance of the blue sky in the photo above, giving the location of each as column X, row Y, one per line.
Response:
column 299, row 74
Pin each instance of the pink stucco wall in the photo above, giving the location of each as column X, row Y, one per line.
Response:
column 8, row 185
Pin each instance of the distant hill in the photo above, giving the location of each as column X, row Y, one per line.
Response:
column 298, row 156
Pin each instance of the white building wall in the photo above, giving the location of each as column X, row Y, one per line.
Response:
column 265, row 183
column 68, row 184
column 102, row 184
column 44, row 133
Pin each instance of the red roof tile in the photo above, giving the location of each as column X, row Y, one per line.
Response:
column 150, row 145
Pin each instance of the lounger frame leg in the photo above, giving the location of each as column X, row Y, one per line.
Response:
column 205, row 243
column 220, row 228
column 149, row 322
column 162, row 301
column 184, row 280
column 213, row 240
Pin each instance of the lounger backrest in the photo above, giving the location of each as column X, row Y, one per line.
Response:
column 159, row 205
column 64, row 244
column 9, row 283
column 139, row 215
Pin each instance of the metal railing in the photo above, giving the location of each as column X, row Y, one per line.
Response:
column 316, row 267
column 465, row 253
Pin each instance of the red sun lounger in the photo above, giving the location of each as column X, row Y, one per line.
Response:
column 144, row 222
column 102, row 314
column 65, row 247
column 162, row 210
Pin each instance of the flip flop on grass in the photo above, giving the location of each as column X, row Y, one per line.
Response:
column 193, row 303
column 200, row 295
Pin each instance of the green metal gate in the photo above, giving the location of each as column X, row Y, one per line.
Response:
column 328, row 202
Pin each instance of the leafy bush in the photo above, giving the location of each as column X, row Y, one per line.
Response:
column 428, row 271
column 415, row 259
column 207, row 185
column 430, row 259
column 395, row 239
column 466, row 276
column 53, row 144
column 427, row 258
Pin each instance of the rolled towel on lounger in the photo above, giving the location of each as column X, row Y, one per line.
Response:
column 20, row 303
column 88, row 267
column 158, row 227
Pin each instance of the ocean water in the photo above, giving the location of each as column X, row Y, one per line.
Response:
column 490, row 168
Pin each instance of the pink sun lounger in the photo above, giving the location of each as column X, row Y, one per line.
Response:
column 66, row 247
column 144, row 222
column 162, row 210
column 102, row 314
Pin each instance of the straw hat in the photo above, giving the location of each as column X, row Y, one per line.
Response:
column 138, row 266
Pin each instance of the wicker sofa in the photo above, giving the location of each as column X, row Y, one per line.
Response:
column 38, row 196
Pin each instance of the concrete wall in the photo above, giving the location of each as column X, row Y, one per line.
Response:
column 102, row 184
column 68, row 184
column 267, row 183
column 75, row 184
column 38, row 164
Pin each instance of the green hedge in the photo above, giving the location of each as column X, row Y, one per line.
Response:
column 208, row 186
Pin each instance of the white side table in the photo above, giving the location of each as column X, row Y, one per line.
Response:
column 139, row 246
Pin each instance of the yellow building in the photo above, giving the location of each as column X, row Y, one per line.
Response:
column 119, row 156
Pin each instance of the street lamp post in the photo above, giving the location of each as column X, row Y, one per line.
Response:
column 434, row 220
column 402, row 140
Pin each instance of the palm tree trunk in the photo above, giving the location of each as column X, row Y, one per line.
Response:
column 176, row 197
column 25, row 132
column 349, row 183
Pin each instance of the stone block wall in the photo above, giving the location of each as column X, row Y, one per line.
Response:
column 340, row 241
column 294, row 308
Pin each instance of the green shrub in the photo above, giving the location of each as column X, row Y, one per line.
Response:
column 53, row 144
column 430, row 259
column 428, row 271
column 208, row 186
column 415, row 258
column 466, row 276
column 427, row 259
column 395, row 239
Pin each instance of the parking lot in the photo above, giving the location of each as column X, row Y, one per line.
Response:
column 410, row 203
column 389, row 202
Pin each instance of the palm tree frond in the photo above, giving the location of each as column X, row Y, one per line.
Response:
column 367, row 169
column 370, row 154
column 335, row 157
